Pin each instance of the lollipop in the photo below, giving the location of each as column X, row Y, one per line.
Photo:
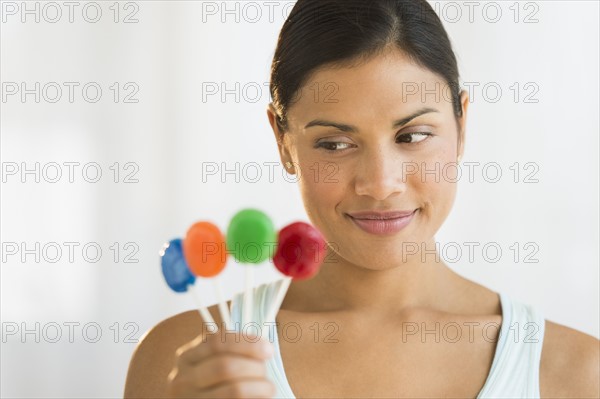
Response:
column 204, row 251
column 299, row 255
column 248, row 232
column 178, row 275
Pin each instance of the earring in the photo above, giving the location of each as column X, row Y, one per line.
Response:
column 288, row 164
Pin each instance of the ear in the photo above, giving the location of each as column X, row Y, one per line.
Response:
column 462, row 123
column 282, row 145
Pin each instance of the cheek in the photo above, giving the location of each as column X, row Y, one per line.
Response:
column 320, row 202
column 438, row 192
column 436, row 186
column 322, row 183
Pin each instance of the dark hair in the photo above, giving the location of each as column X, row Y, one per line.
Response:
column 339, row 32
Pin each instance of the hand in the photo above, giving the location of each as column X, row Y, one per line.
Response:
column 216, row 366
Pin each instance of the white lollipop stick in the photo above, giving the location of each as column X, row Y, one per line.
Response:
column 285, row 284
column 201, row 308
column 247, row 311
column 224, row 311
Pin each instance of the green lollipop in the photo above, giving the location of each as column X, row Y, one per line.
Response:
column 248, row 232
column 247, row 235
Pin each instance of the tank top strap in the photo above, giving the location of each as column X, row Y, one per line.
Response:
column 516, row 364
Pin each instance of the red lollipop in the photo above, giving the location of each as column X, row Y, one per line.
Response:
column 300, row 252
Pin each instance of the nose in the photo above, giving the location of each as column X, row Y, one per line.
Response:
column 380, row 174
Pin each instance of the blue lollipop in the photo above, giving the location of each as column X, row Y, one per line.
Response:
column 178, row 275
column 174, row 268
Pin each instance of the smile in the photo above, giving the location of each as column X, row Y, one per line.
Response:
column 383, row 226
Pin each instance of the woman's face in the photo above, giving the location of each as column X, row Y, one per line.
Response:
column 354, row 149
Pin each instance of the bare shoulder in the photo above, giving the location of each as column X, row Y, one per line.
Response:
column 570, row 363
column 154, row 356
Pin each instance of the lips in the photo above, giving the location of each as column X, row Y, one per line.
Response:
column 382, row 223
column 376, row 215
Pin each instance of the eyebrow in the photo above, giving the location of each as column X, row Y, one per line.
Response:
column 353, row 129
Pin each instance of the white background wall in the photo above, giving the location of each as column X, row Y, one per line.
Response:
column 171, row 132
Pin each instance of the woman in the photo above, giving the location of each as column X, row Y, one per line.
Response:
column 383, row 317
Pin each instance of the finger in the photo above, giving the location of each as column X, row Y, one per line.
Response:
column 223, row 368
column 243, row 389
column 238, row 344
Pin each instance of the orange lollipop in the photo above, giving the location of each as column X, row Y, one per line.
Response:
column 205, row 253
column 204, row 249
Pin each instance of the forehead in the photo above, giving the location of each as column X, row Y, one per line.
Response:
column 385, row 86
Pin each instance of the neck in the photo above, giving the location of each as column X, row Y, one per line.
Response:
column 341, row 285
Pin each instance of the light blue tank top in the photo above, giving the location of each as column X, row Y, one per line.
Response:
column 515, row 367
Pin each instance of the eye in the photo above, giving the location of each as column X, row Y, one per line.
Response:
column 333, row 146
column 339, row 147
column 413, row 138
